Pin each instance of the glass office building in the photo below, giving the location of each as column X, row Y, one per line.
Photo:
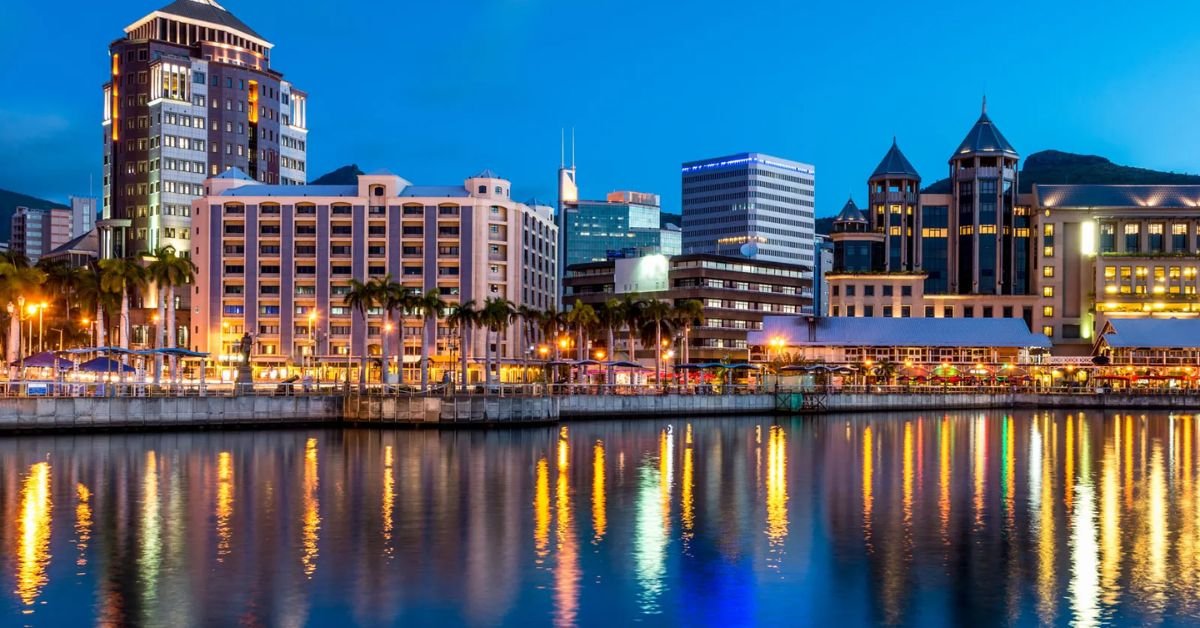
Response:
column 626, row 224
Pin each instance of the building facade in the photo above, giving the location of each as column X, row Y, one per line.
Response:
column 36, row 232
column 191, row 94
column 83, row 215
column 276, row 262
column 736, row 294
column 1115, row 252
column 750, row 205
column 964, row 251
column 625, row 224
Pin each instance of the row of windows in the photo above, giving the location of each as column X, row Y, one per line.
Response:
column 868, row 290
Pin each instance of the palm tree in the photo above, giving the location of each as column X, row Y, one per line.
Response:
column 60, row 281
column 427, row 306
column 168, row 271
column 17, row 280
column 656, row 315
column 463, row 317
column 550, row 323
column 92, row 296
column 686, row 315
column 497, row 314
column 631, row 308
column 583, row 318
column 361, row 297
column 529, row 317
column 392, row 297
column 610, row 318
column 121, row 276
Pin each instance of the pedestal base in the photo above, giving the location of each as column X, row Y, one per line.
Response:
column 245, row 379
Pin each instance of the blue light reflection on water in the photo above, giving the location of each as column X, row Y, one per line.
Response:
column 921, row 519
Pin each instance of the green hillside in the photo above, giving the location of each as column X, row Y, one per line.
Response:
column 1053, row 166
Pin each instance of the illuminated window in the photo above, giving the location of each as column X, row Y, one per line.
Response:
column 987, row 229
column 1048, row 230
column 1048, row 311
column 1048, row 331
column 1048, row 291
column 1048, row 251
column 1047, row 271
column 1110, row 272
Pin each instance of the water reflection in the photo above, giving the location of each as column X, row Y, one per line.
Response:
column 1022, row 518
column 34, row 534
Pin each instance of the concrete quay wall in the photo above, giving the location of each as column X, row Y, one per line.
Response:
column 68, row 413
column 646, row 406
column 451, row 410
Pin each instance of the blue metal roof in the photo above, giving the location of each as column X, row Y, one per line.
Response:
column 1152, row 333
column 236, row 174
column 434, row 190
column 293, row 190
column 900, row 332
column 1118, row 196
column 895, row 163
column 850, row 213
column 984, row 137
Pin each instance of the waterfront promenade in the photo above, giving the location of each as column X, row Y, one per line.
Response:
column 268, row 408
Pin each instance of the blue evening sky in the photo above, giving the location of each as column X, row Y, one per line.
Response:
column 436, row 90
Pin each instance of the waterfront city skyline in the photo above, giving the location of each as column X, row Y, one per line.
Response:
column 1089, row 91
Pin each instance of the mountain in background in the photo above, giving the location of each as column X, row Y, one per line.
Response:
column 10, row 201
column 346, row 175
column 1057, row 167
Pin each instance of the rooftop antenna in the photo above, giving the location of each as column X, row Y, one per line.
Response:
column 572, row 148
column 985, row 104
column 562, row 148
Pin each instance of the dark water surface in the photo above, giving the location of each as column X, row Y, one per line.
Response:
column 966, row 519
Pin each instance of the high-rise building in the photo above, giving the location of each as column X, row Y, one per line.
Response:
column 276, row 261
column 625, row 224
column 989, row 255
column 36, row 232
column 752, row 205
column 83, row 215
column 192, row 94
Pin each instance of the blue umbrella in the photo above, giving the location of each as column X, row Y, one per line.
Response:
column 45, row 360
column 105, row 365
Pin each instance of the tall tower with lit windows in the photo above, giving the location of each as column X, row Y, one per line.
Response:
column 986, row 254
column 894, row 195
column 191, row 94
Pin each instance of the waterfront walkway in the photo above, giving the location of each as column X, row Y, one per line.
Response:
column 151, row 408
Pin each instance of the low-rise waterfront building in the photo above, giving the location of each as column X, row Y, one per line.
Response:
column 1114, row 252
column 986, row 344
column 276, row 261
column 736, row 293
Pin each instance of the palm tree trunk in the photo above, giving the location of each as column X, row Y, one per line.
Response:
column 158, row 333
column 124, row 329
column 100, row 331
column 612, row 356
column 384, row 345
column 172, row 333
column 658, row 354
column 14, row 340
column 424, row 354
column 463, row 348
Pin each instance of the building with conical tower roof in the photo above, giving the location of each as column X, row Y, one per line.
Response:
column 894, row 189
column 990, row 244
column 965, row 253
column 856, row 246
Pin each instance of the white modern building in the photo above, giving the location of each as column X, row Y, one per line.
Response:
column 751, row 205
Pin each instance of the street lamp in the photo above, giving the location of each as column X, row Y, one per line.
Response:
column 41, row 337
column 30, row 311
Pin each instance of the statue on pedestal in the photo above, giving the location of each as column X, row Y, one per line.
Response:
column 245, row 376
